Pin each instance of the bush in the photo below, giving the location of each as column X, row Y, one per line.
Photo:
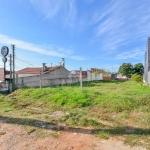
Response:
column 137, row 77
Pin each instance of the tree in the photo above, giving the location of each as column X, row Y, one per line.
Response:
column 138, row 69
column 126, row 70
column 137, row 77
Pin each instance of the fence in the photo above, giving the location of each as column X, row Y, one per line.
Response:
column 37, row 80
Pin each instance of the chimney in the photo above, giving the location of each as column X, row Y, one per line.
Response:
column 63, row 62
column 44, row 67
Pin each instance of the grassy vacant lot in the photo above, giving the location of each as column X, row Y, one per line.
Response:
column 115, row 108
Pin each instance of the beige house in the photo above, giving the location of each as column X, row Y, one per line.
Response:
column 32, row 76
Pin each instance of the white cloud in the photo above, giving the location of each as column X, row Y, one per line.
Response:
column 50, row 8
column 72, row 12
column 120, row 23
column 50, row 51
column 133, row 54
column 103, row 11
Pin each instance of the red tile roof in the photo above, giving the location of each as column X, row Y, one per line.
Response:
column 36, row 70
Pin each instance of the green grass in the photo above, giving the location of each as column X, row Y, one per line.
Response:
column 103, row 135
column 109, row 108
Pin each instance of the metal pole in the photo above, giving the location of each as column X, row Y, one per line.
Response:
column 10, row 67
column 10, row 90
column 13, row 51
column 40, row 80
column 81, row 79
column 4, row 71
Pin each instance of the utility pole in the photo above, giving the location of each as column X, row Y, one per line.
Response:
column 10, row 88
column 81, row 79
column 13, row 55
column 40, row 80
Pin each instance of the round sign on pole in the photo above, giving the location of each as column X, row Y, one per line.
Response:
column 4, row 59
column 4, row 51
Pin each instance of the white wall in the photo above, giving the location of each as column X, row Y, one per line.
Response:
column 53, row 78
column 93, row 76
column 26, row 82
column 47, row 79
column 148, row 78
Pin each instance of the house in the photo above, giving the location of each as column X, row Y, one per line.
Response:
column 33, row 77
column 76, row 74
column 89, row 75
column 95, row 70
column 47, row 72
column 3, row 85
column 120, row 77
column 2, row 74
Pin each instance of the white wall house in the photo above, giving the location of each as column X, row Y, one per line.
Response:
column 32, row 77
column 90, row 76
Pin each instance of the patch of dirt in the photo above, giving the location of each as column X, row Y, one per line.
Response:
column 17, row 138
column 57, row 114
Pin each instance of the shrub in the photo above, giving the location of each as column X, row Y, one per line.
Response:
column 137, row 77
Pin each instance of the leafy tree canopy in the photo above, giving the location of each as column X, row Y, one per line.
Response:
column 138, row 69
column 126, row 69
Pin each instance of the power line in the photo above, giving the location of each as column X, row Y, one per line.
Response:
column 19, row 61
column 24, row 62
column 18, row 67
column 27, row 62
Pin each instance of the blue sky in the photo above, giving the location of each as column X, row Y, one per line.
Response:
column 87, row 33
